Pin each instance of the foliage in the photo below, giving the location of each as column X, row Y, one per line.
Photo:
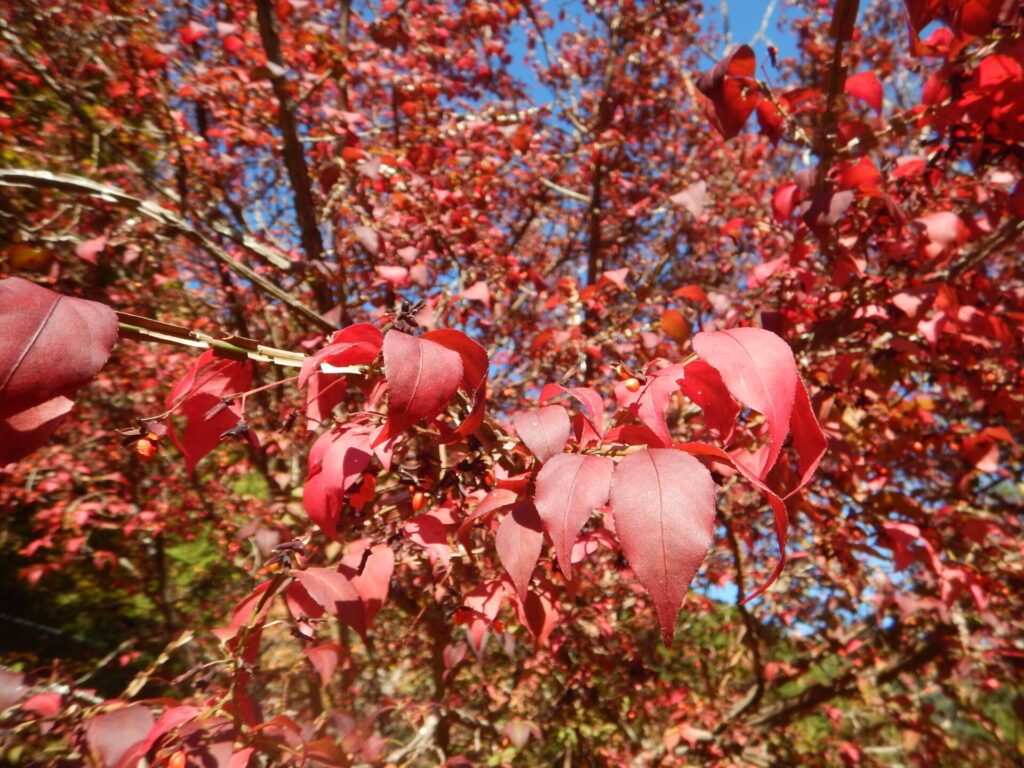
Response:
column 467, row 411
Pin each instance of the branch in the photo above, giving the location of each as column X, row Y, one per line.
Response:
column 10, row 177
column 233, row 347
column 784, row 711
column 843, row 19
column 294, row 159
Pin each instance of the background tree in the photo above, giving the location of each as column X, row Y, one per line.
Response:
column 250, row 576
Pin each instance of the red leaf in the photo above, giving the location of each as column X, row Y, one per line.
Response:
column 474, row 373
column 50, row 346
column 422, row 376
column 323, row 393
column 539, row 612
column 784, row 201
column 590, row 399
column 865, row 86
column 704, row 386
column 198, row 394
column 759, row 370
column 489, row 504
column 732, row 91
column 663, row 503
column 481, row 606
column 112, row 734
column 518, row 541
column 651, row 401
column 46, row 704
column 336, row 461
column 336, row 594
column 169, row 720
column 28, row 430
column 356, row 345
column 373, row 581
column 569, row 487
column 808, row 439
column 431, row 533
column 544, row 430
column 710, row 453
column 325, row 659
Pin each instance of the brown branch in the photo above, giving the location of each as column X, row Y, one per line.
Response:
column 10, row 177
column 843, row 19
column 294, row 159
column 232, row 347
column 782, row 712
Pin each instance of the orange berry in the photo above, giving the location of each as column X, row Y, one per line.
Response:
column 418, row 500
column 145, row 448
column 632, row 384
column 177, row 760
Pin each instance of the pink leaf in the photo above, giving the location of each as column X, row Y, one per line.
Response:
column 13, row 687
column 544, row 430
column 368, row 237
column 50, row 346
column 692, row 198
column 616, row 277
column 943, row 228
column 481, row 606
column 422, row 376
column 336, row 594
column 87, row 249
column 759, row 370
column 112, row 734
column 590, row 399
column 478, row 291
column 518, row 541
column 569, row 487
column 865, row 86
column 397, row 276
column 663, row 503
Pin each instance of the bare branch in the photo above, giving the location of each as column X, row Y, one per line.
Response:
column 10, row 177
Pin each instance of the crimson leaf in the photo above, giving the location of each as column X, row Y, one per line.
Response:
column 422, row 376
column 50, row 346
